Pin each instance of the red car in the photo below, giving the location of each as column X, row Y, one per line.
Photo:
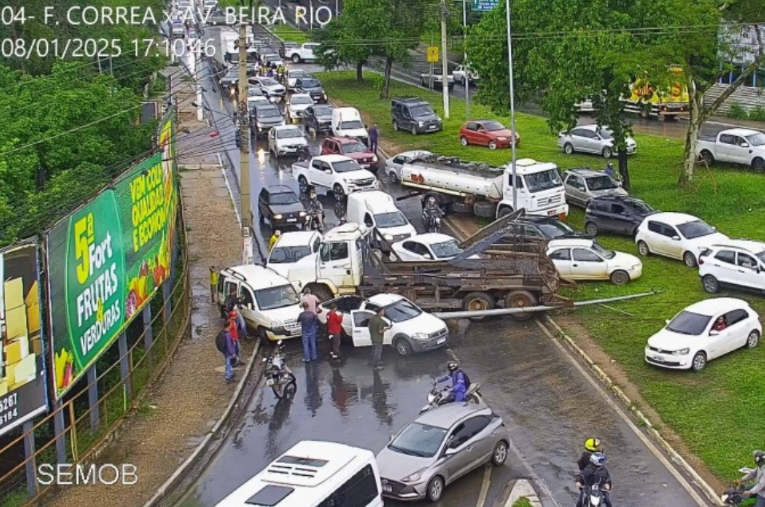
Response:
column 487, row 133
column 350, row 147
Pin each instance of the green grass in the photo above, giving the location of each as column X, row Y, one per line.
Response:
column 522, row 502
column 289, row 33
column 716, row 412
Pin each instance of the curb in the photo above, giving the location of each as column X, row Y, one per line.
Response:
column 182, row 471
column 696, row 479
column 523, row 488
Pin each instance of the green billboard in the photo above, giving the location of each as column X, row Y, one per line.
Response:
column 106, row 261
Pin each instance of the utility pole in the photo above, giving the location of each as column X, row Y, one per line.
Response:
column 465, row 60
column 512, row 105
column 198, row 70
column 431, row 65
column 444, row 61
column 244, row 148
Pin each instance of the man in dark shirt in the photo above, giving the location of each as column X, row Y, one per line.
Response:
column 377, row 327
column 309, row 324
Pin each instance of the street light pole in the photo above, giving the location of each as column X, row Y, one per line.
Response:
column 444, row 61
column 465, row 60
column 244, row 148
column 512, row 105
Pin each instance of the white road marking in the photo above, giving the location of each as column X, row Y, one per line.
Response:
column 611, row 403
column 484, row 486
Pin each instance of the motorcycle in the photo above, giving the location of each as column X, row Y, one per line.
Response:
column 311, row 224
column 279, row 377
column 734, row 495
column 432, row 224
column 593, row 496
column 439, row 395
column 303, row 154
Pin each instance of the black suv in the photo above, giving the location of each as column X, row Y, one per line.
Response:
column 280, row 205
column 617, row 214
column 415, row 115
column 318, row 118
column 263, row 118
column 538, row 227
column 312, row 87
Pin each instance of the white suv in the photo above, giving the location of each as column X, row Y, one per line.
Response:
column 677, row 236
column 736, row 263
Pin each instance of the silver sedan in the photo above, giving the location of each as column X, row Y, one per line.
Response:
column 592, row 139
column 393, row 165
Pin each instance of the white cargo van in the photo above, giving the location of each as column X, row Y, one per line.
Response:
column 313, row 474
column 377, row 210
column 346, row 122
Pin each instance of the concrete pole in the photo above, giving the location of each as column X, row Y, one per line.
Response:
column 198, row 70
column 444, row 61
column 465, row 60
column 244, row 149
column 512, row 105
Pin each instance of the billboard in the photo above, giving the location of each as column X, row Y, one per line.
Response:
column 106, row 261
column 22, row 380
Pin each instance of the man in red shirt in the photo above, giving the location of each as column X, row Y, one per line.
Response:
column 334, row 330
column 234, row 332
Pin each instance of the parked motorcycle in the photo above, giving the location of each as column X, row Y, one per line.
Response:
column 734, row 495
column 439, row 395
column 593, row 496
column 278, row 375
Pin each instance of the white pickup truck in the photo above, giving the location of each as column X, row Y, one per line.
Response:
column 302, row 53
column 339, row 174
column 456, row 184
column 735, row 146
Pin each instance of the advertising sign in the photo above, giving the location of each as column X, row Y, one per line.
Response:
column 484, row 5
column 22, row 380
column 106, row 261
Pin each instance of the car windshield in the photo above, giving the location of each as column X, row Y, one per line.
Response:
column 345, row 166
column 268, row 112
column 544, row 180
column 605, row 134
column 695, row 229
column 296, row 74
column 310, row 83
column 290, row 133
column 301, row 100
column 601, row 183
column 350, row 125
column 283, row 198
column 447, row 249
column 418, row 440
column 642, row 206
column 357, row 147
column 492, row 126
column 756, row 139
column 401, row 311
column 603, row 252
column 266, row 81
column 555, row 229
column 392, row 219
column 424, row 110
column 276, row 297
column 322, row 111
column 254, row 92
column 288, row 254
column 689, row 323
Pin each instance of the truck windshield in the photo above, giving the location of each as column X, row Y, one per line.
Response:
column 392, row 219
column 288, row 254
column 401, row 311
column 756, row 139
column 345, row 166
column 350, row 125
column 447, row 249
column 695, row 229
column 276, row 297
column 601, row 183
column 544, row 180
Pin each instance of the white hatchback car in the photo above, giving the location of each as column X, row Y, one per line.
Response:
column 734, row 263
column 677, row 236
column 285, row 140
column 431, row 246
column 585, row 259
column 296, row 106
column 704, row 331
column 393, row 165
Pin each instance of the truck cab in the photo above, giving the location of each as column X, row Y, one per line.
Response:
column 346, row 122
column 270, row 304
column 539, row 188
column 377, row 210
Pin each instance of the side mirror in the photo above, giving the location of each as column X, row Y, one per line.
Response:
column 745, row 145
column 714, row 333
column 667, row 321
column 329, row 171
column 714, row 228
column 450, row 451
column 428, row 256
column 675, row 238
column 390, row 439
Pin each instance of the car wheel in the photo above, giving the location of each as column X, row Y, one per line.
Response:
column 689, row 259
column 392, row 178
column 707, row 157
column 710, row 284
column 339, row 192
column 753, row 339
column 403, row 348
column 303, row 185
column 499, row 456
column 568, row 149
column 295, row 58
column 262, row 336
column 395, row 126
column 607, row 152
column 591, row 228
column 492, row 145
column 758, row 165
column 463, row 141
column 620, row 277
column 643, row 249
column 414, row 130
column 699, row 361
column 435, row 489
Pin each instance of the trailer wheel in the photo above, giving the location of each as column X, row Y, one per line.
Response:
column 520, row 299
column 478, row 301
column 504, row 211
column 461, row 207
column 484, row 209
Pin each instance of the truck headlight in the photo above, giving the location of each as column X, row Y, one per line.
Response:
column 278, row 217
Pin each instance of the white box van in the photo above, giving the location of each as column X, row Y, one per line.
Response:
column 346, row 122
column 376, row 209
column 313, row 474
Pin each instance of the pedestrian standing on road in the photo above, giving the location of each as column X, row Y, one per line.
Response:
column 377, row 328
column 233, row 329
column 213, row 283
column 225, row 344
column 311, row 300
column 274, row 239
column 309, row 324
column 374, row 134
column 334, row 330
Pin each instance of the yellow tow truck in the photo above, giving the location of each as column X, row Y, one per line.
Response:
column 652, row 101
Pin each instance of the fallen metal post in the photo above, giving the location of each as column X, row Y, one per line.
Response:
column 529, row 309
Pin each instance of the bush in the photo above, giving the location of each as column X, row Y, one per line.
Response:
column 737, row 112
column 757, row 114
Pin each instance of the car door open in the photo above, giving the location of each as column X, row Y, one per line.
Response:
column 360, row 328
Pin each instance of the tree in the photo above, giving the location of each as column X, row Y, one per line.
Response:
column 338, row 48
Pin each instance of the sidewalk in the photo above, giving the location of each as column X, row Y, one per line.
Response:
column 190, row 397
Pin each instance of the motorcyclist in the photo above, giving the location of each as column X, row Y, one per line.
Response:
column 757, row 475
column 591, row 445
column 595, row 473
column 303, row 154
column 315, row 209
column 280, row 73
column 460, row 382
column 430, row 211
column 611, row 172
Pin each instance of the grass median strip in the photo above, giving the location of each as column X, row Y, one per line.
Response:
column 289, row 33
column 715, row 412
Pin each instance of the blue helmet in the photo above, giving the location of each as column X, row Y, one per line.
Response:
column 598, row 459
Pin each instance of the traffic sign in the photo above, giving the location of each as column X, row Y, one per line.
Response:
column 432, row 54
column 484, row 5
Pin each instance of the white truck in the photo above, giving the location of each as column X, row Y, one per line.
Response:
column 487, row 191
column 339, row 174
column 227, row 47
column 346, row 122
column 735, row 146
column 302, row 53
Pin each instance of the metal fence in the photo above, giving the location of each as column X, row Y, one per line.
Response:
column 91, row 417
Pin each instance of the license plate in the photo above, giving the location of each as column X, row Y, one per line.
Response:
column 551, row 213
column 388, row 489
column 432, row 127
column 292, row 219
column 270, row 382
column 440, row 341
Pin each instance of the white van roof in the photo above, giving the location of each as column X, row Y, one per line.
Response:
column 376, row 199
column 345, row 232
column 346, row 111
column 296, row 238
column 529, row 166
column 257, row 276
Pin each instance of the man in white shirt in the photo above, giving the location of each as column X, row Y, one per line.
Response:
column 311, row 300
